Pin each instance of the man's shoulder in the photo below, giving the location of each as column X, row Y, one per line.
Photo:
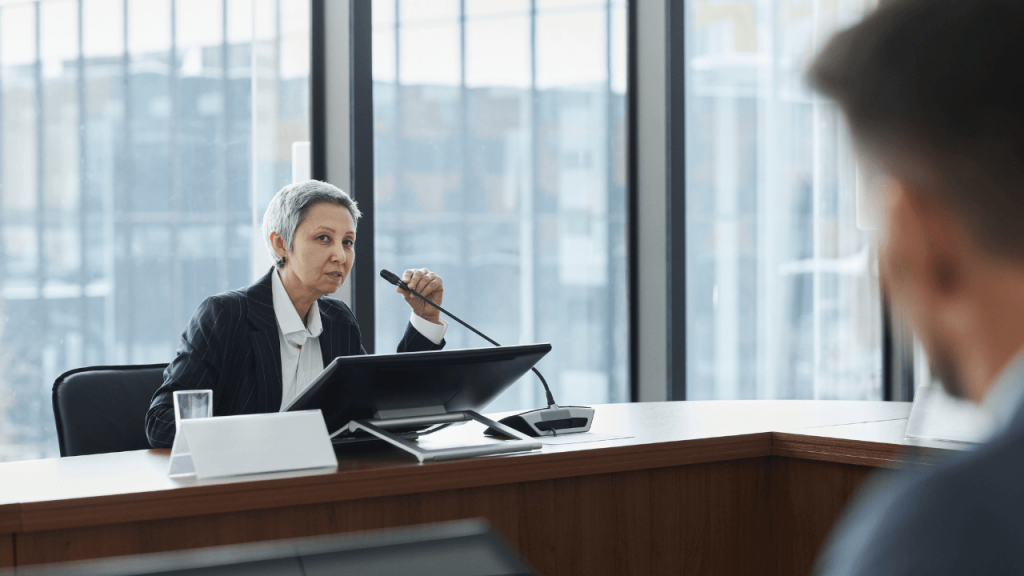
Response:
column 969, row 513
column 944, row 519
column 990, row 475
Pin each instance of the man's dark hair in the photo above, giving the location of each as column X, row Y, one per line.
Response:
column 934, row 90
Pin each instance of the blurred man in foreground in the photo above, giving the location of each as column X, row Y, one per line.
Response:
column 933, row 92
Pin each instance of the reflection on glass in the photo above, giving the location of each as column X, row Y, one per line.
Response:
column 190, row 404
column 499, row 164
column 130, row 169
column 782, row 292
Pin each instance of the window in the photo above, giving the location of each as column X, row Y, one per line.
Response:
column 782, row 289
column 499, row 134
column 133, row 167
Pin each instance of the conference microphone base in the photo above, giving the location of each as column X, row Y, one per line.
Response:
column 551, row 421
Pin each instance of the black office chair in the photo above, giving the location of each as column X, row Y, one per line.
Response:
column 102, row 409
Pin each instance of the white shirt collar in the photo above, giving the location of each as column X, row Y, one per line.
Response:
column 1003, row 400
column 288, row 321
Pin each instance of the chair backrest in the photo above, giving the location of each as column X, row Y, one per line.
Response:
column 102, row 409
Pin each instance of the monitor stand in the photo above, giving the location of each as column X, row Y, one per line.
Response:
column 395, row 419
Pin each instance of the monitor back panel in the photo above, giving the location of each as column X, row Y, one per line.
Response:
column 360, row 387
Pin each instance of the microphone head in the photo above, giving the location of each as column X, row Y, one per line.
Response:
column 390, row 276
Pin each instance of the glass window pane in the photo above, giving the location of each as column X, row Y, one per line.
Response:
column 149, row 25
column 198, row 23
column 782, row 292
column 511, row 188
column 130, row 178
column 562, row 4
column 416, row 11
column 383, row 13
column 295, row 39
column 384, row 54
column 430, row 54
column 498, row 51
column 240, row 21
column 496, row 7
column 18, row 34
column 572, row 47
column 102, row 27
column 59, row 30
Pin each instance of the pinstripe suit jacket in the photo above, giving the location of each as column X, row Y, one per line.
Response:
column 231, row 346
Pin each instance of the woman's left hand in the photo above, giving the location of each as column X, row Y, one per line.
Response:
column 430, row 285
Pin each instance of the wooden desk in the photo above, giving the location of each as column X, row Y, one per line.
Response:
column 742, row 487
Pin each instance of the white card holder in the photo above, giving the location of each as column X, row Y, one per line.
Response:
column 251, row 444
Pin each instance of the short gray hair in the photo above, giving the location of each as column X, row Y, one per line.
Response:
column 290, row 205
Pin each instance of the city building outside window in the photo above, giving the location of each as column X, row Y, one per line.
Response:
column 135, row 159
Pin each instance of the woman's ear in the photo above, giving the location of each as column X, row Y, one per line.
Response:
column 277, row 241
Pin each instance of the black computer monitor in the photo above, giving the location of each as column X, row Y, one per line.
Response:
column 365, row 387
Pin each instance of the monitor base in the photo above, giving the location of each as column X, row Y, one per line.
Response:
column 379, row 428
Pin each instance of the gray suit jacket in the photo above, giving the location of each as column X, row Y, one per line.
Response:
column 965, row 516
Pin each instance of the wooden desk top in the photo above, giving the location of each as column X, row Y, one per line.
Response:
column 133, row 486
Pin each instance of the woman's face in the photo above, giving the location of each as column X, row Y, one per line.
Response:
column 323, row 248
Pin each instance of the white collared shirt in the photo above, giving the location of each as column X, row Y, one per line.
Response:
column 1004, row 399
column 301, row 359
column 300, row 344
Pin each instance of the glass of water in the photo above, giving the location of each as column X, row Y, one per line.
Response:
column 192, row 404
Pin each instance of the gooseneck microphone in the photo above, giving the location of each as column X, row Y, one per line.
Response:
column 393, row 278
column 550, row 421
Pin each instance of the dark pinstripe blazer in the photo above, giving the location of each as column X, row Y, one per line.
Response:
column 231, row 347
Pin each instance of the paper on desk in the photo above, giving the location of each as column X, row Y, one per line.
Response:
column 936, row 415
column 578, row 438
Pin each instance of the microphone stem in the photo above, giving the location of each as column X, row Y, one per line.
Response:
column 547, row 391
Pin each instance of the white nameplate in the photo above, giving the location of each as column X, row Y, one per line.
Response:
column 251, row 444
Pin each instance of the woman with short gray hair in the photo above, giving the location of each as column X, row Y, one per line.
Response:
column 288, row 208
column 257, row 348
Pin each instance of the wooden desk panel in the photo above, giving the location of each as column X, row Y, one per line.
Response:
column 635, row 522
column 747, row 487
column 658, row 430
column 6, row 550
column 388, row 478
column 10, row 523
column 807, row 496
column 714, row 519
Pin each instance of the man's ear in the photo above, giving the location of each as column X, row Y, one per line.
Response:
column 277, row 241
column 944, row 252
